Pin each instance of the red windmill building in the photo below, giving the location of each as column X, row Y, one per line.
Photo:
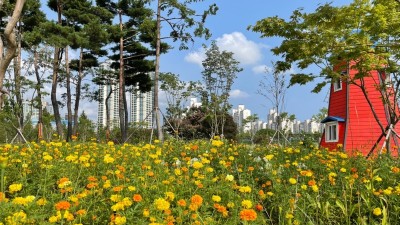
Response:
column 358, row 120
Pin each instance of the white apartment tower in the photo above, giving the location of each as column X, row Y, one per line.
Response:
column 142, row 105
column 108, row 94
column 240, row 114
column 142, row 108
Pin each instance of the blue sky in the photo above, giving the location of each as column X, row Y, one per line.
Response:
column 229, row 29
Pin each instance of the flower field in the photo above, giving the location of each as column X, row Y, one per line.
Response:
column 194, row 183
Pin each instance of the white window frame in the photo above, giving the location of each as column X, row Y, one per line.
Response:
column 337, row 84
column 329, row 128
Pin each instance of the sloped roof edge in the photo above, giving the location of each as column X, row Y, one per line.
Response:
column 332, row 118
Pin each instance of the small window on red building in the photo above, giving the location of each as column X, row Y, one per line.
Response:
column 337, row 84
column 331, row 132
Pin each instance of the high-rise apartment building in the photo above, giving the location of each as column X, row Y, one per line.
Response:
column 240, row 114
column 142, row 104
column 31, row 112
column 108, row 94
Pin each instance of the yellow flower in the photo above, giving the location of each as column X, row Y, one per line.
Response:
column 41, row 201
column 14, row 187
column 170, row 195
column 217, row 143
column 115, row 198
column 247, row 204
column 229, row 177
column 120, row 220
column 146, row 213
column 108, row 159
column 20, row 201
column 126, row 201
column 289, row 216
column 118, row 207
column 230, row 204
column 131, row 188
column 269, row 157
column 197, row 165
column 161, row 204
column 292, row 181
column 377, row 212
column 53, row 219
column 47, row 157
column 245, row 189
column 216, row 198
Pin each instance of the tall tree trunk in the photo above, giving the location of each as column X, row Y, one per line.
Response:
column 69, row 97
column 39, row 94
column 78, row 93
column 108, row 130
column 156, row 111
column 53, row 94
column 121, row 82
column 56, row 65
column 8, row 41
column 17, row 82
column 125, row 114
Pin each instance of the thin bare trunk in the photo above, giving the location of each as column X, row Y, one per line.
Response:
column 121, row 83
column 156, row 74
column 56, row 65
column 108, row 131
column 78, row 93
column 17, row 82
column 53, row 95
column 39, row 94
column 69, row 97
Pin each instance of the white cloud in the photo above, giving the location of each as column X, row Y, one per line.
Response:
column 245, row 51
column 238, row 94
column 261, row 69
column 196, row 57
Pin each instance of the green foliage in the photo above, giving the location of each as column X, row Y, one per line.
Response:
column 197, row 125
column 329, row 36
column 220, row 71
column 86, row 128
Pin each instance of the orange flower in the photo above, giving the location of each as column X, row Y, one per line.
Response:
column 194, row 147
column 248, row 215
column 196, row 200
column 92, row 179
column 259, row 207
column 182, row 202
column 81, row 212
column 222, row 209
column 311, row 183
column 150, row 173
column 118, row 188
column 137, row 198
column 91, row 185
column 63, row 205
column 395, row 169
column 3, row 197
